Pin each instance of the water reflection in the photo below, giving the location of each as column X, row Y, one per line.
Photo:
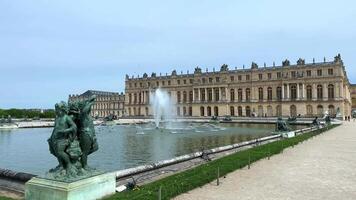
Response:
column 123, row 146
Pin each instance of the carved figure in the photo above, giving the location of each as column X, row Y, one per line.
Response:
column 281, row 126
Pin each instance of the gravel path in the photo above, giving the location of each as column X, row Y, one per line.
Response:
column 321, row 168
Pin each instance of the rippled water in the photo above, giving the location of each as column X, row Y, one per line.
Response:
column 124, row 146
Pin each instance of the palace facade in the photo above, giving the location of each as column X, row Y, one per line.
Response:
column 107, row 103
column 288, row 90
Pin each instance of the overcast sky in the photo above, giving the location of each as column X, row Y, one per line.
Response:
column 49, row 49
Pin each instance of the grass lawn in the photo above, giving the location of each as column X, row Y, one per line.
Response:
column 187, row 180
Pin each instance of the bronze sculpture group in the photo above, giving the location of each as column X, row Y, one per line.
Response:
column 73, row 139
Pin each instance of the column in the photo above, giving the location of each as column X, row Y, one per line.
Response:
column 193, row 94
column 213, row 94
column 288, row 97
column 298, row 91
column 303, row 92
column 206, row 94
column 220, row 96
column 199, row 95
column 314, row 93
column 325, row 92
column 283, row 88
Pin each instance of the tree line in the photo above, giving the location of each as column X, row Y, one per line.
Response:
column 26, row 113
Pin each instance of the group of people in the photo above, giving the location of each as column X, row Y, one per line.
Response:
column 73, row 138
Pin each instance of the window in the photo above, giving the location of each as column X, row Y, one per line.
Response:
column 184, row 97
column 202, row 94
column 232, row 78
column 184, row 81
column 216, row 94
column 239, row 94
column 309, row 73
column 178, row 97
column 203, row 80
column 232, row 95
column 260, row 76
column 330, row 71
column 140, row 84
column 178, row 82
column 239, row 77
column 210, row 94
column 135, row 84
column 247, row 77
column 279, row 75
column 269, row 93
column 217, row 79
column 149, row 84
column 232, row 111
column 201, row 111
column 269, row 76
column 169, row 82
column 210, row 80
column 191, row 96
column 279, row 93
column 320, row 72
column 293, row 74
column 163, row 83
column 309, row 92
column 293, row 89
column 248, row 94
column 191, row 81
column 320, row 91
column 331, row 94
column 260, row 94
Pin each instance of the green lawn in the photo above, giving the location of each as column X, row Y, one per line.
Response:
column 185, row 181
column 5, row 198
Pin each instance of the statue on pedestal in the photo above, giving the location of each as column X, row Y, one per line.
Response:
column 281, row 126
column 72, row 140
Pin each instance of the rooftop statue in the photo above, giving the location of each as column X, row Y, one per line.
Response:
column 72, row 140
column 281, row 126
column 286, row 63
column 254, row 65
column 197, row 70
column 301, row 61
column 224, row 68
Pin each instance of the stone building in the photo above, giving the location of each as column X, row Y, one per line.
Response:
column 107, row 103
column 353, row 96
column 287, row 90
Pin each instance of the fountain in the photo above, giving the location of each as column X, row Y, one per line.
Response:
column 161, row 105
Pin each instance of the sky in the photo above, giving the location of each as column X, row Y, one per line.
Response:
column 50, row 49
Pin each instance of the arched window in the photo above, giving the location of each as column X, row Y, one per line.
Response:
column 320, row 92
column 309, row 110
column 269, row 111
column 278, row 111
column 239, row 111
column 178, row 96
column 217, row 95
column 208, row 110
column 190, row 111
column 178, row 111
column 320, row 111
column 269, row 94
column 232, row 111
column 201, row 111
column 279, row 93
column 184, row 96
column 293, row 93
column 146, row 110
column 203, row 94
column 331, row 94
column 191, row 96
column 139, row 98
column 248, row 111
column 293, row 111
column 184, row 111
column 248, row 94
column 239, row 94
column 216, row 111
column 260, row 111
column 232, row 95
column 135, row 98
column 210, row 94
column 130, row 98
column 332, row 110
column 260, row 94
column 309, row 92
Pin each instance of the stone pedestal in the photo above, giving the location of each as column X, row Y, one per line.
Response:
column 95, row 187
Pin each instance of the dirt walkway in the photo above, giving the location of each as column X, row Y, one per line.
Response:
column 321, row 168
